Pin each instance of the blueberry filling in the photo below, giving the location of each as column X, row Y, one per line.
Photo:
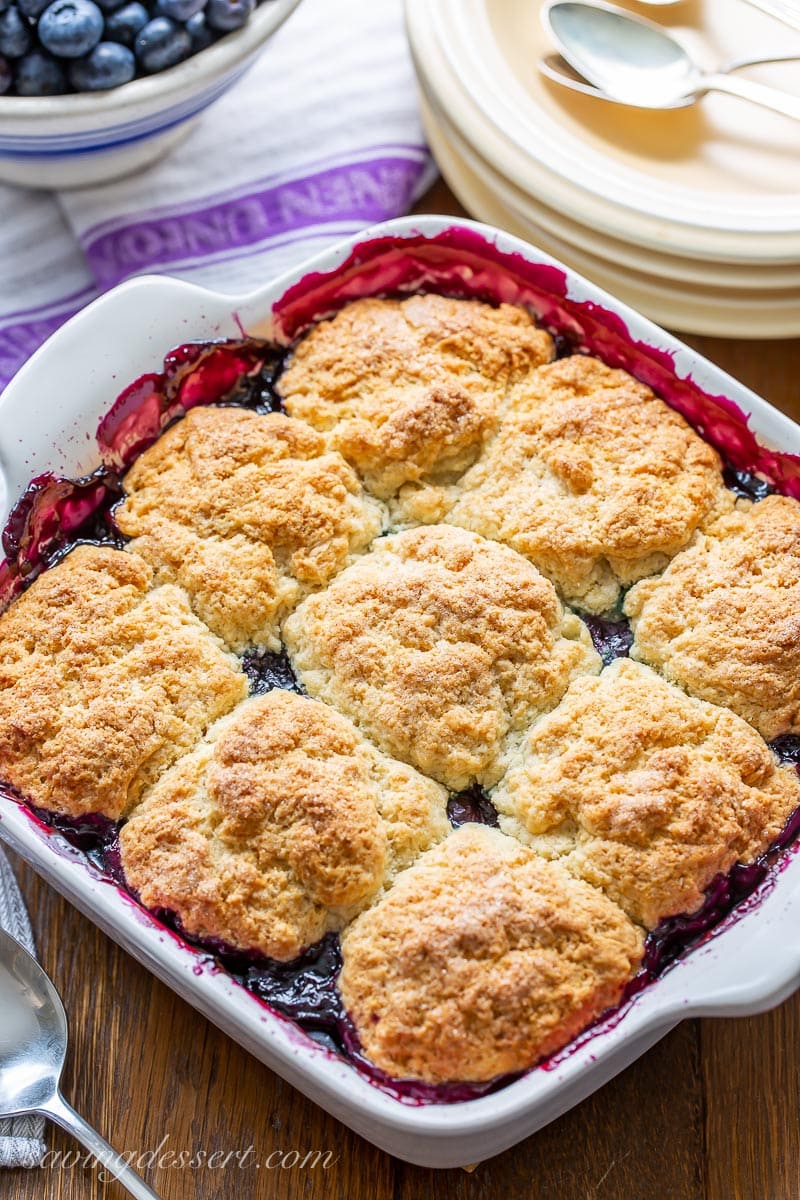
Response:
column 227, row 372
column 612, row 637
column 471, row 805
column 787, row 748
column 746, row 484
column 304, row 989
column 90, row 833
column 258, row 392
column 51, row 517
column 268, row 671
column 564, row 344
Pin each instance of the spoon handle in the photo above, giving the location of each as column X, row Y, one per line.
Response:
column 758, row 93
column 59, row 1111
column 763, row 60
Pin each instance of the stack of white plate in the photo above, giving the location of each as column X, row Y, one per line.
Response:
column 691, row 215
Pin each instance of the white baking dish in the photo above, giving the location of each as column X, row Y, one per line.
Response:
column 48, row 416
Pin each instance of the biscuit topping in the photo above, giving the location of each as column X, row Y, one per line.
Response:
column 645, row 792
column 407, row 390
column 279, row 827
column 104, row 683
column 248, row 513
column 439, row 644
column 482, row 959
column 724, row 620
column 592, row 478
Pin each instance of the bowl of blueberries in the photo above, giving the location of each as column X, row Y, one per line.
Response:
column 91, row 90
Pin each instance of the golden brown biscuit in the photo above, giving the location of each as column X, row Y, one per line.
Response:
column 284, row 823
column 408, row 389
column 482, row 959
column 592, row 478
column 723, row 621
column 104, row 683
column 438, row 644
column 645, row 792
column 248, row 514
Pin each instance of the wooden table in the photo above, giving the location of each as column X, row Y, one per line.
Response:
column 711, row 1113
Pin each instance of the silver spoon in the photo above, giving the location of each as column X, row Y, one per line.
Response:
column 33, row 1046
column 636, row 62
column 554, row 67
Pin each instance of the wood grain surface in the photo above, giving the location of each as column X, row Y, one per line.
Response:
column 711, row 1113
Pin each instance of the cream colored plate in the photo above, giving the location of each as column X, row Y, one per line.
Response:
column 546, row 144
column 723, row 164
column 741, row 314
column 776, row 277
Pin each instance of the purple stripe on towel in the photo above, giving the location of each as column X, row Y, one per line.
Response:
column 361, row 192
column 22, row 333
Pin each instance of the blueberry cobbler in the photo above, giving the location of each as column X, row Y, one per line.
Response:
column 430, row 676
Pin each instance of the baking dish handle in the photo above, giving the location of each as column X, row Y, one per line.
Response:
column 751, row 972
column 53, row 405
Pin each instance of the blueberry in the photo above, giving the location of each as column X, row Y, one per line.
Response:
column 178, row 10
column 225, row 15
column 38, row 74
column 4, row 4
column 5, row 75
column 124, row 24
column 161, row 44
column 32, row 9
column 109, row 65
column 70, row 28
column 15, row 38
column 199, row 32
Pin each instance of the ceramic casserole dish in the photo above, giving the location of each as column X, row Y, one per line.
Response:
column 48, row 418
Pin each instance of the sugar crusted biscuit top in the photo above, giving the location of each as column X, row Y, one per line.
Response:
column 408, row 389
column 724, row 620
column 438, row 644
column 483, row 959
column 591, row 477
column 283, row 824
column 103, row 683
column 248, row 513
column 645, row 792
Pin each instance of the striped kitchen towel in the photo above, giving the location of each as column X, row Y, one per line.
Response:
column 319, row 139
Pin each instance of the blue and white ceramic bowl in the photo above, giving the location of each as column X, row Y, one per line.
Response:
column 77, row 140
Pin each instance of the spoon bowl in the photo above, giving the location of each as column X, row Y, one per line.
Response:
column 557, row 69
column 636, row 62
column 33, row 1048
column 33, row 1035
column 630, row 58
